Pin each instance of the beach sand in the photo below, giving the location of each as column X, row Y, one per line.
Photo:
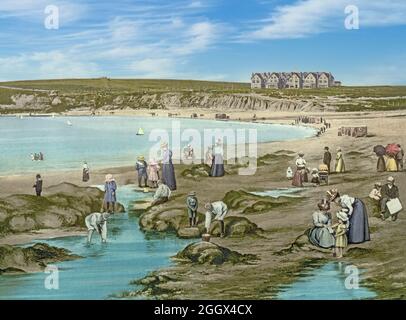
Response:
column 385, row 256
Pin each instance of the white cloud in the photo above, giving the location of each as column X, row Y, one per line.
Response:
column 308, row 17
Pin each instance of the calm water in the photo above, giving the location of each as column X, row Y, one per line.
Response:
column 102, row 141
column 281, row 192
column 106, row 268
column 326, row 282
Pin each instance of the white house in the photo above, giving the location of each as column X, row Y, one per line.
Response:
column 293, row 80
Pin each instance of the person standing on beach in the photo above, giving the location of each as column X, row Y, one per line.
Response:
column 153, row 173
column 217, row 167
column 192, row 205
column 141, row 167
column 327, row 158
column 168, row 170
column 38, row 185
column 110, row 197
column 85, row 172
column 300, row 174
column 340, row 165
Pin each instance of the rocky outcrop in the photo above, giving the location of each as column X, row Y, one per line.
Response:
column 210, row 253
column 63, row 205
column 176, row 220
column 248, row 203
column 31, row 259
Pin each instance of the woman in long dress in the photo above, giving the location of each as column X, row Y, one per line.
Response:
column 358, row 228
column 217, row 166
column 168, row 170
column 381, row 165
column 340, row 165
column 300, row 174
column 321, row 234
column 85, row 172
column 391, row 164
column 110, row 197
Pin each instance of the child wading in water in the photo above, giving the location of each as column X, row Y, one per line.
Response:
column 341, row 233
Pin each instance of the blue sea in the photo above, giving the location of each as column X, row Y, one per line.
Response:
column 106, row 141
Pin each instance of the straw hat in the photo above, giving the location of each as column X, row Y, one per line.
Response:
column 339, row 149
column 301, row 154
column 141, row 158
column 342, row 215
column 332, row 194
column 192, row 193
column 109, row 177
column 153, row 162
column 208, row 206
column 378, row 184
column 390, row 179
column 164, row 144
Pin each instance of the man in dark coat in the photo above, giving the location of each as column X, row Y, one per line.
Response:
column 38, row 185
column 327, row 158
column 388, row 192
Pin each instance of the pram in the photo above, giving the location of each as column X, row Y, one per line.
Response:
column 323, row 173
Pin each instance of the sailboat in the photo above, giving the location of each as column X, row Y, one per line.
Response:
column 140, row 132
column 69, row 123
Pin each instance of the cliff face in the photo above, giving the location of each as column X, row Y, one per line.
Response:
column 54, row 102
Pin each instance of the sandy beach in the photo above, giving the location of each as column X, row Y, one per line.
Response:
column 380, row 257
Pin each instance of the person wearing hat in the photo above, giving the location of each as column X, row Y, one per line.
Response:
column 162, row 194
column 389, row 191
column 110, row 198
column 341, row 240
column 321, row 234
column 375, row 193
column 358, row 216
column 219, row 209
column 192, row 205
column 141, row 167
column 315, row 177
column 153, row 173
column 340, row 165
column 327, row 158
column 168, row 170
column 300, row 174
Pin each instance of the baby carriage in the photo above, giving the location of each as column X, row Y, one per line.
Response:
column 323, row 173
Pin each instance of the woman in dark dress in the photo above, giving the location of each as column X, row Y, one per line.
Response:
column 358, row 229
column 168, row 170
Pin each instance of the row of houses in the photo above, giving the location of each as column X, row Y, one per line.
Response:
column 298, row 80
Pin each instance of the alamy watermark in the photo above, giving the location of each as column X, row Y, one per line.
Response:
column 51, row 21
column 235, row 146
column 351, row 21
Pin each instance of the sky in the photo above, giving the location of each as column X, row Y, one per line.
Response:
column 362, row 42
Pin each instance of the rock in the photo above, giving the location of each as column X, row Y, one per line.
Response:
column 196, row 171
column 236, row 227
column 32, row 259
column 63, row 205
column 210, row 253
column 189, row 233
column 247, row 203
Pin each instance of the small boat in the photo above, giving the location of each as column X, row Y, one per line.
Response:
column 140, row 132
column 69, row 123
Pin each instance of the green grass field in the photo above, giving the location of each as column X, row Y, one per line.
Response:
column 104, row 90
column 129, row 85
